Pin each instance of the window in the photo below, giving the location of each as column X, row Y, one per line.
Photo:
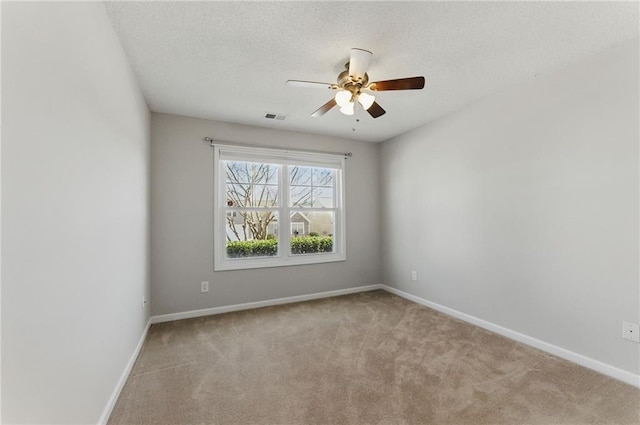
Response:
column 297, row 229
column 277, row 208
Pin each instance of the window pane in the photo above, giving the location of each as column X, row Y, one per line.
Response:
column 248, row 172
column 323, row 197
column 251, row 184
column 251, row 234
column 300, row 196
column 315, row 232
column 323, row 177
column 299, row 175
column 311, row 187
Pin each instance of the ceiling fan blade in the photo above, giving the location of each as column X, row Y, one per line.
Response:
column 310, row 84
column 376, row 110
column 324, row 108
column 413, row 83
column 359, row 62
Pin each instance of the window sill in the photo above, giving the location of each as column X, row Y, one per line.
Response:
column 259, row 263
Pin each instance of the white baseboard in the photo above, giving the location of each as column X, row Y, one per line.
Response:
column 598, row 366
column 266, row 303
column 104, row 418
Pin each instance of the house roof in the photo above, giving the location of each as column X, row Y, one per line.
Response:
column 301, row 215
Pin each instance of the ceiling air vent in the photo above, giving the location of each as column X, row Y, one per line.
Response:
column 270, row 116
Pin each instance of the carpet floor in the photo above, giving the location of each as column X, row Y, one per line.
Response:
column 367, row 358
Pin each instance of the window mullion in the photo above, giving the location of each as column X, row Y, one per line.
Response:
column 285, row 228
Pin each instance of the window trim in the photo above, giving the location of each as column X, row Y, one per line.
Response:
column 224, row 152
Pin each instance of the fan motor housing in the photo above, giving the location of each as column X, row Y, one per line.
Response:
column 347, row 82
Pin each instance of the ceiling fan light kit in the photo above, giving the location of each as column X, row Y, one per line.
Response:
column 366, row 100
column 343, row 97
column 350, row 85
column 346, row 100
column 348, row 109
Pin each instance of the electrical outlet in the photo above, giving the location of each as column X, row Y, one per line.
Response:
column 631, row 331
column 414, row 275
column 144, row 302
column 204, row 286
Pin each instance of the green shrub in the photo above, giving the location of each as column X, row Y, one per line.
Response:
column 311, row 244
column 269, row 247
column 326, row 244
column 254, row 248
column 314, row 234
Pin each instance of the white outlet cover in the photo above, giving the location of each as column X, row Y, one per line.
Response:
column 204, row 286
column 631, row 331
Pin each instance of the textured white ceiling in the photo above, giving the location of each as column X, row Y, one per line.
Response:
column 229, row 60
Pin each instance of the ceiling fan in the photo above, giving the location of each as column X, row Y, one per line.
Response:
column 352, row 83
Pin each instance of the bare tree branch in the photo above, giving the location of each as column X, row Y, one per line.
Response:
column 251, row 185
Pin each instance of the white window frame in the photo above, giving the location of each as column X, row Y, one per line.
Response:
column 284, row 158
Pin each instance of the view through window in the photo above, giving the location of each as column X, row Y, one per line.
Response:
column 277, row 208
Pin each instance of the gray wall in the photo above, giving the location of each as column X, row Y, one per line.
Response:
column 522, row 209
column 75, row 216
column 182, row 219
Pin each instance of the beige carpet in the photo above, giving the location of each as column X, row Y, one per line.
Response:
column 368, row 358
